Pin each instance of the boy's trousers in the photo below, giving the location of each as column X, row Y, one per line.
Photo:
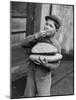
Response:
column 38, row 81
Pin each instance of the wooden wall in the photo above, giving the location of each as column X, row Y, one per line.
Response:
column 18, row 21
column 65, row 13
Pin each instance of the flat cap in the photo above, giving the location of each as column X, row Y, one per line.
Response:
column 55, row 19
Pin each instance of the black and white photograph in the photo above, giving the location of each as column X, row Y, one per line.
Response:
column 41, row 49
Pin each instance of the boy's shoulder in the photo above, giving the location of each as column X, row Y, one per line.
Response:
column 56, row 43
column 54, row 40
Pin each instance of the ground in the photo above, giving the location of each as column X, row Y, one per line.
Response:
column 62, row 81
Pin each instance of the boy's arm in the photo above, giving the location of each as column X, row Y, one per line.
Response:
column 32, row 39
column 28, row 41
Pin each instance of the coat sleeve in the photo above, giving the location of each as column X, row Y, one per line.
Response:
column 29, row 41
column 33, row 39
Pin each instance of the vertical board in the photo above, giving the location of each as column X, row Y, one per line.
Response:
column 18, row 24
column 16, row 39
column 45, row 12
column 31, row 17
column 37, row 17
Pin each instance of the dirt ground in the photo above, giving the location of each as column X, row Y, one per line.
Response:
column 62, row 81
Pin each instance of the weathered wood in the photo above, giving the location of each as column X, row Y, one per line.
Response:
column 18, row 21
column 30, row 18
column 18, row 24
column 18, row 32
column 19, row 71
column 19, row 62
column 18, row 9
column 17, row 38
column 65, row 13
column 37, row 17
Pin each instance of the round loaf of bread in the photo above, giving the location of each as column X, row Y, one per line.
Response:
column 50, row 59
column 45, row 51
column 44, row 48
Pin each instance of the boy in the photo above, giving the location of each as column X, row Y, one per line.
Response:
column 38, row 77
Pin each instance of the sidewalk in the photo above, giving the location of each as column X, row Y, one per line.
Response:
column 62, row 81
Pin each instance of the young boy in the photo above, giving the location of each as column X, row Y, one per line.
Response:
column 38, row 77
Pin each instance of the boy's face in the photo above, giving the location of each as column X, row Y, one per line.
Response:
column 49, row 25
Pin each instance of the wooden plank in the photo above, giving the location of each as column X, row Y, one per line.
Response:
column 37, row 17
column 17, row 38
column 19, row 62
column 30, row 18
column 18, row 9
column 18, row 32
column 18, row 52
column 18, row 24
column 19, row 71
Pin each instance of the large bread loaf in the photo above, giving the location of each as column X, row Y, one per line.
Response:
column 44, row 48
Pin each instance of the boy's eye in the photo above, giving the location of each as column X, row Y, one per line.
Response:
column 50, row 25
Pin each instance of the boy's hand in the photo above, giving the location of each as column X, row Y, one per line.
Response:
column 40, row 34
column 44, row 34
column 43, row 61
